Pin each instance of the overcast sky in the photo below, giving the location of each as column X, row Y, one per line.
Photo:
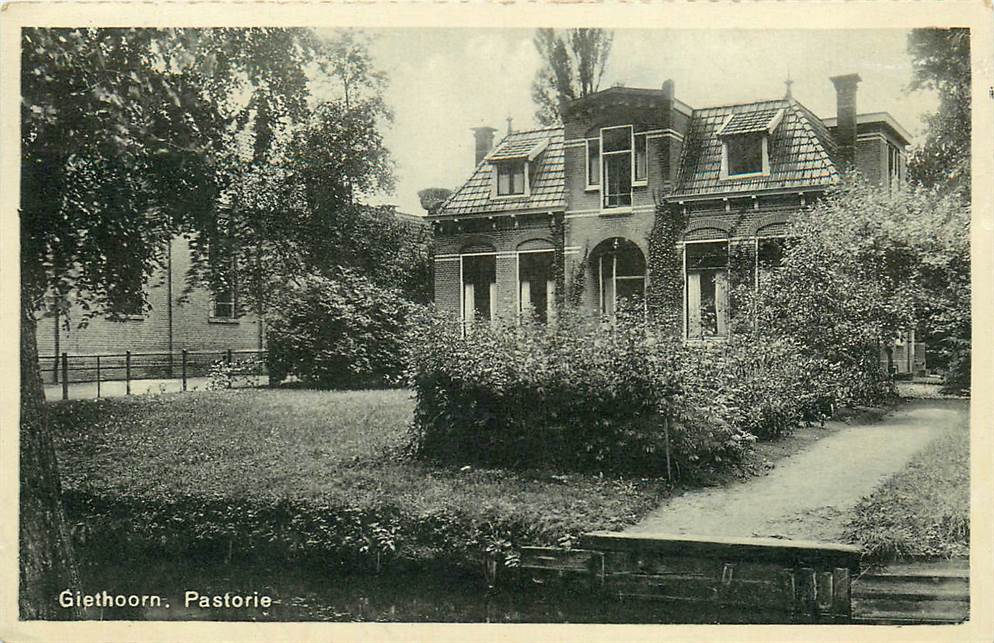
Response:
column 445, row 81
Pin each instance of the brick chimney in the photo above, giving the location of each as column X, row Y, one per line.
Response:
column 845, row 112
column 484, row 137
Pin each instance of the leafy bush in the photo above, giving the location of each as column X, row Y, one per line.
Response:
column 344, row 332
column 762, row 386
column 580, row 394
column 238, row 373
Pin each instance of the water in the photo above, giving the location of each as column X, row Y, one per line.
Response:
column 315, row 594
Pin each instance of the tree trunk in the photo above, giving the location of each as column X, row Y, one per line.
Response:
column 47, row 564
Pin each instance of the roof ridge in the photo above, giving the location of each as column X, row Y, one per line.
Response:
column 748, row 102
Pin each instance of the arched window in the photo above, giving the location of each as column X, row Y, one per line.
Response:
column 618, row 267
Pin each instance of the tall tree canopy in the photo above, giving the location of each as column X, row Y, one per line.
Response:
column 133, row 136
column 573, row 66
column 941, row 61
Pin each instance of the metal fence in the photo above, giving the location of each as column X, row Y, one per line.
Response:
column 131, row 366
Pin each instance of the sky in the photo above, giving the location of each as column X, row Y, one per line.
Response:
column 445, row 81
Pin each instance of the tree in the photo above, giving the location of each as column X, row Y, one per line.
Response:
column 127, row 139
column 941, row 62
column 862, row 265
column 573, row 66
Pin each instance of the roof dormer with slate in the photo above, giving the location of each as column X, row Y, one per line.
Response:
column 755, row 147
column 523, row 174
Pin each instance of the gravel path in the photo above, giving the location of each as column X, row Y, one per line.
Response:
column 808, row 495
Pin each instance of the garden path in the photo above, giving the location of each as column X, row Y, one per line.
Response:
column 808, row 495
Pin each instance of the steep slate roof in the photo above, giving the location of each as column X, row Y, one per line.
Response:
column 801, row 150
column 547, row 179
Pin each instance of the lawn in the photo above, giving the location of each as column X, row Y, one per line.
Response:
column 923, row 512
column 307, row 471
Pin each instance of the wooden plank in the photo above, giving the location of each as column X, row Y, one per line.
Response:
column 841, row 591
column 654, row 563
column 794, row 553
column 576, row 560
column 909, row 610
column 912, row 588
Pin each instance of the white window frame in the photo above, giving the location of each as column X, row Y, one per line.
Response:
column 631, row 166
column 591, row 187
column 686, row 292
column 550, row 295
column 725, row 176
column 495, row 180
column 462, row 286
column 640, row 183
column 213, row 317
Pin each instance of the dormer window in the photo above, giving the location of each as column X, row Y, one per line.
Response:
column 745, row 143
column 511, row 178
column 745, row 153
column 513, row 162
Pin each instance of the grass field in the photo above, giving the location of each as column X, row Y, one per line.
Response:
column 327, row 448
column 922, row 512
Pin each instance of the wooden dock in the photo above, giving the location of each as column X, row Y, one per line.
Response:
column 932, row 593
column 758, row 579
column 788, row 581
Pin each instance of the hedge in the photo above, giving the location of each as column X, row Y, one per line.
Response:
column 587, row 394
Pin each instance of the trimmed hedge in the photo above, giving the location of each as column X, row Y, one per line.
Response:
column 590, row 395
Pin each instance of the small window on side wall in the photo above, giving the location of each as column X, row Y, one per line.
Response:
column 593, row 163
column 510, row 178
column 641, row 169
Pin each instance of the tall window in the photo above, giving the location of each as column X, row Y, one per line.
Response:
column 617, row 164
column 510, row 178
column 707, row 289
column 619, row 271
column 593, row 162
column 894, row 170
column 537, row 285
column 769, row 254
column 641, row 166
column 479, row 287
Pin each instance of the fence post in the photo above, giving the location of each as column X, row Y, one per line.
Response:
column 183, row 368
column 65, row 376
column 127, row 372
column 98, row 376
column 228, row 357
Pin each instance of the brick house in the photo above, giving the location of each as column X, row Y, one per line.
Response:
column 571, row 208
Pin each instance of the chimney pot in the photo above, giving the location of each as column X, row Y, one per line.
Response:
column 845, row 126
column 668, row 89
column 483, row 137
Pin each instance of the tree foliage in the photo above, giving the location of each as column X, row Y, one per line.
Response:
column 133, row 136
column 859, row 267
column 941, row 62
column 573, row 66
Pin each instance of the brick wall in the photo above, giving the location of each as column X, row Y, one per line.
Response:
column 192, row 327
column 504, row 236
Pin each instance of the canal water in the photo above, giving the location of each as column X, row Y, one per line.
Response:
column 311, row 593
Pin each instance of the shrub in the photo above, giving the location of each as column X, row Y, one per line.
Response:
column 580, row 394
column 338, row 333
column 762, row 386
